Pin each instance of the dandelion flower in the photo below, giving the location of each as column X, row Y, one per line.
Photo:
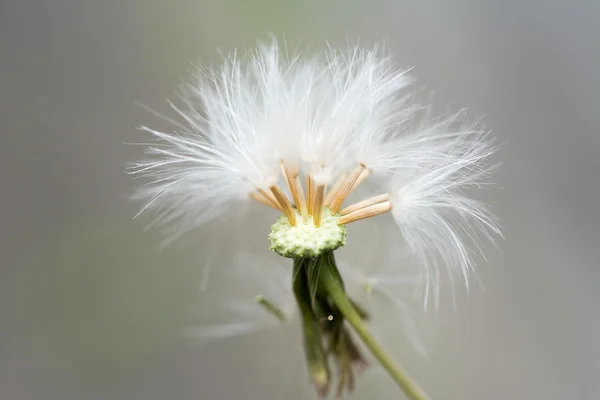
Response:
column 326, row 142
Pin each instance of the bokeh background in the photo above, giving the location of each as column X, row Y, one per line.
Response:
column 90, row 309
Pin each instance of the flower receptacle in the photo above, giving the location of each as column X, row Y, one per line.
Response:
column 305, row 240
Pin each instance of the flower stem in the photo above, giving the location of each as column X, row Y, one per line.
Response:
column 329, row 279
column 316, row 356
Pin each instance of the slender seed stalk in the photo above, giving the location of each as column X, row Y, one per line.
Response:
column 271, row 308
column 329, row 279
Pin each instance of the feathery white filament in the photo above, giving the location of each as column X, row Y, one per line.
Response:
column 430, row 206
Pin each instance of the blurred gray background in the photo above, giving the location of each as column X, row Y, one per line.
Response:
column 89, row 309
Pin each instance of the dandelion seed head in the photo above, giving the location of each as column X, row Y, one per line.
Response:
column 327, row 142
column 300, row 134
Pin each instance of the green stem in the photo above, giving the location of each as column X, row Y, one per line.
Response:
column 329, row 279
column 313, row 342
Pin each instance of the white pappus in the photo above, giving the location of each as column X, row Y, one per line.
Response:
column 328, row 118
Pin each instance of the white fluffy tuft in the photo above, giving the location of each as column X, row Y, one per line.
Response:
column 320, row 115
column 430, row 204
column 241, row 119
